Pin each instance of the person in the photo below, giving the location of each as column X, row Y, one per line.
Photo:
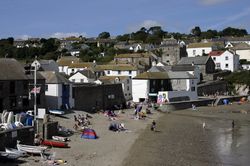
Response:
column 153, row 125
column 233, row 124
column 204, row 125
column 193, row 107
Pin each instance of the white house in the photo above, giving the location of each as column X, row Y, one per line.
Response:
column 225, row 60
column 176, row 85
column 65, row 62
column 198, row 49
column 118, row 70
column 245, row 66
column 58, row 91
column 74, row 67
column 83, row 76
column 242, row 49
column 124, row 80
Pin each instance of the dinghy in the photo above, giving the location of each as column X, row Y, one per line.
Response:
column 57, row 112
column 55, row 143
column 15, row 151
column 8, row 156
column 59, row 138
column 31, row 149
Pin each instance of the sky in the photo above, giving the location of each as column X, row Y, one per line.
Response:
column 62, row 18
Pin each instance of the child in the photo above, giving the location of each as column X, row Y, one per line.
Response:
column 153, row 125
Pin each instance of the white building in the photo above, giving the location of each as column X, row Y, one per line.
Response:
column 225, row 60
column 176, row 85
column 75, row 67
column 83, row 76
column 199, row 49
column 58, row 91
column 242, row 49
column 65, row 62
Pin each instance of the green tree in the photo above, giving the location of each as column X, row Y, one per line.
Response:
column 104, row 35
column 196, row 31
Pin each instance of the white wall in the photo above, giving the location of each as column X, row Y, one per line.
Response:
column 198, row 51
column 122, row 73
column 244, row 54
column 127, row 88
column 140, row 89
column 173, row 94
column 63, row 69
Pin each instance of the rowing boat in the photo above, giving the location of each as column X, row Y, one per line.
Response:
column 15, row 151
column 55, row 143
column 31, row 149
column 57, row 112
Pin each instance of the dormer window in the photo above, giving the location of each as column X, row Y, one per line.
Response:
column 226, row 58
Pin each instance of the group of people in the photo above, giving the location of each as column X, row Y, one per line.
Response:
column 81, row 121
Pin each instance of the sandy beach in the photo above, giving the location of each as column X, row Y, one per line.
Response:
column 180, row 139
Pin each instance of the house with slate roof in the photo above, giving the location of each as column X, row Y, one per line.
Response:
column 204, row 63
column 16, row 86
column 83, row 76
column 200, row 49
column 58, row 91
column 225, row 60
column 177, row 86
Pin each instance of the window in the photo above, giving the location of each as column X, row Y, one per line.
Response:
column 194, row 52
column 108, row 72
column 127, row 88
column 112, row 96
column 72, row 70
column 129, row 94
column 167, row 54
column 73, row 80
column 217, row 65
column 192, row 82
column 127, row 81
column 226, row 65
column 130, row 72
column 226, row 58
column 125, row 94
column 214, row 58
column 203, row 51
column 192, row 88
column 46, row 87
column 82, row 80
column 119, row 71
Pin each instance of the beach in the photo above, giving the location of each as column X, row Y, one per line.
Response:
column 179, row 139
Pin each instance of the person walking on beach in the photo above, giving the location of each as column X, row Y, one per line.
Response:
column 233, row 124
column 204, row 125
column 153, row 125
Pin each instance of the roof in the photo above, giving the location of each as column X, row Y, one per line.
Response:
column 11, row 69
column 81, row 65
column 49, row 65
column 152, row 75
column 67, row 60
column 122, row 67
column 180, row 75
column 159, row 68
column 241, row 46
column 54, row 77
column 111, row 79
column 134, row 55
column 200, row 45
column 199, row 60
column 88, row 73
column 183, row 68
column 216, row 53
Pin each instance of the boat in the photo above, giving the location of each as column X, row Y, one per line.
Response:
column 31, row 149
column 59, row 138
column 8, row 156
column 57, row 112
column 55, row 143
column 15, row 151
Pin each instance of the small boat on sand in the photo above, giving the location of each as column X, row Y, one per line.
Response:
column 8, row 156
column 15, row 151
column 55, row 143
column 31, row 149
column 59, row 138
column 57, row 112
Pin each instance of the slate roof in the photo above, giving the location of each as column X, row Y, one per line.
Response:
column 81, row 65
column 54, row 77
column 67, row 60
column 134, row 55
column 11, row 69
column 121, row 67
column 111, row 79
column 88, row 73
column 241, row 46
column 49, row 65
column 164, row 75
column 199, row 60
column 200, row 45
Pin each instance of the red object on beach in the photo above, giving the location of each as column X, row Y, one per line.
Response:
column 55, row 144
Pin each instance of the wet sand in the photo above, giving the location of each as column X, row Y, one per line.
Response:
column 181, row 139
